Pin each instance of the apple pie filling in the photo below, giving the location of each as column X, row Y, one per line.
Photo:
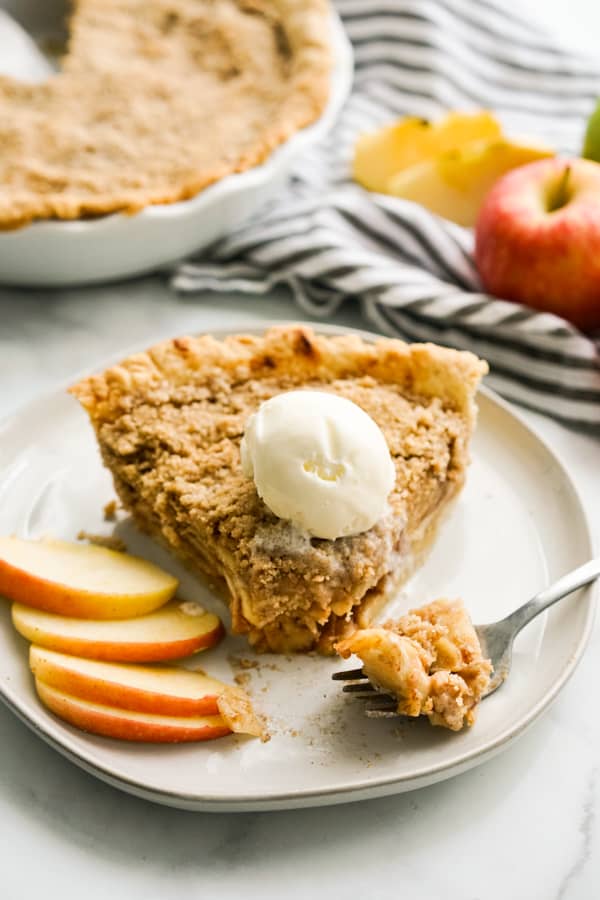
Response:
column 430, row 660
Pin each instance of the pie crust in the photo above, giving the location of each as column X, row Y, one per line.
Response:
column 430, row 660
column 169, row 424
column 155, row 101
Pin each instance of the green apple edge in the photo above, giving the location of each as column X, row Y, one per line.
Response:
column 591, row 141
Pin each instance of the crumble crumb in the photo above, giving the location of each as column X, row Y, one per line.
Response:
column 192, row 608
column 110, row 541
column 110, row 511
column 242, row 662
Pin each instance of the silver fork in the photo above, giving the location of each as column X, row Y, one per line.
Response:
column 496, row 641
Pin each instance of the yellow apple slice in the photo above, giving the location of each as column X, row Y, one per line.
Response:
column 81, row 580
column 381, row 154
column 160, row 690
column 176, row 630
column 126, row 724
column 165, row 690
column 455, row 184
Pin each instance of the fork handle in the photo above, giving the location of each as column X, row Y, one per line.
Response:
column 565, row 585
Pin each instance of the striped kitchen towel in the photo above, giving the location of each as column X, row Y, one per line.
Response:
column 412, row 272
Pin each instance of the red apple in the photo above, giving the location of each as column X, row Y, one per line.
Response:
column 164, row 690
column 81, row 580
column 537, row 239
column 127, row 724
column 177, row 629
column 140, row 702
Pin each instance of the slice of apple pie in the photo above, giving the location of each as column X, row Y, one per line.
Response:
column 169, row 424
column 430, row 660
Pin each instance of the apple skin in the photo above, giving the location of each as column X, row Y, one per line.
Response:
column 161, row 690
column 124, row 700
column 81, row 580
column 166, row 634
column 127, row 725
column 547, row 260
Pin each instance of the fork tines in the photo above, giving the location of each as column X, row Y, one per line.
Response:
column 382, row 701
column 359, row 687
column 357, row 682
column 349, row 675
column 378, row 705
column 384, row 711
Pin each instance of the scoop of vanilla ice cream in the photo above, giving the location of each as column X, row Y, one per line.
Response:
column 319, row 461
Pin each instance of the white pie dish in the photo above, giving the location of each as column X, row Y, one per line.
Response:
column 518, row 525
column 59, row 253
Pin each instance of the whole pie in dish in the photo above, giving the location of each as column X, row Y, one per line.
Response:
column 430, row 660
column 169, row 424
column 156, row 100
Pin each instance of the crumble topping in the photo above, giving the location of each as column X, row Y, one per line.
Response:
column 156, row 100
column 110, row 541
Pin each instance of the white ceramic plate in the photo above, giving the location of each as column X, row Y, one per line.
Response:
column 85, row 251
column 517, row 525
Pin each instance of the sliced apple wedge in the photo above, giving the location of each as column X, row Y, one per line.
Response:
column 115, row 722
column 455, row 184
column 381, row 154
column 81, row 580
column 165, row 690
column 176, row 630
column 159, row 690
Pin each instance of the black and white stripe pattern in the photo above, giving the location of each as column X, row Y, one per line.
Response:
column 413, row 273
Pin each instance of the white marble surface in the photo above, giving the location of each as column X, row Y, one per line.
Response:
column 522, row 826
